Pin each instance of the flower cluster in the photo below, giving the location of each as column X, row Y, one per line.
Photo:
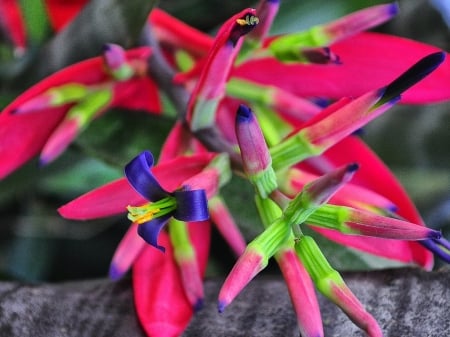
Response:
column 252, row 109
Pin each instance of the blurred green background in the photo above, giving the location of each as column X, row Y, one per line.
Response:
column 37, row 245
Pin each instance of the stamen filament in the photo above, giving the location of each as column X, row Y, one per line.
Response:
column 151, row 210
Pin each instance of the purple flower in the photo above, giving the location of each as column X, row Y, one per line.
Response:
column 182, row 204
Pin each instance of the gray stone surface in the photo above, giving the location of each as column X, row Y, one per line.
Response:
column 406, row 302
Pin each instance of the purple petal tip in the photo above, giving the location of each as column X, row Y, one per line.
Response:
column 393, row 9
column 221, row 306
column 434, row 234
column 414, row 74
column 43, row 161
column 199, row 305
column 115, row 273
column 352, row 167
column 392, row 208
column 440, row 247
column 244, row 114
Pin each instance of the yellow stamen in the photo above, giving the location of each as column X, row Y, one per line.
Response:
column 141, row 214
column 151, row 210
column 249, row 20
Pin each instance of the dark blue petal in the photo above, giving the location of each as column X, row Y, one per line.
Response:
column 414, row 74
column 141, row 178
column 440, row 247
column 191, row 205
column 149, row 231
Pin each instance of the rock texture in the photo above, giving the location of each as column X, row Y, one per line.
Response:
column 406, row 302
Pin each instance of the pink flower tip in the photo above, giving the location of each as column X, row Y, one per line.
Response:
column 114, row 56
column 199, row 304
column 254, row 151
column 323, row 188
column 393, row 9
column 246, row 268
column 115, row 273
column 60, row 139
column 35, row 104
column 222, row 305
column 163, row 329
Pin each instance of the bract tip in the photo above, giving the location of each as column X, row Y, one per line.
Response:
column 221, row 306
column 352, row 167
column 199, row 304
column 114, row 272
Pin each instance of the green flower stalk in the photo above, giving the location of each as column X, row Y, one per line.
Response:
column 305, row 46
column 360, row 222
column 317, row 193
column 330, row 283
column 210, row 87
column 186, row 259
column 256, row 256
column 346, row 116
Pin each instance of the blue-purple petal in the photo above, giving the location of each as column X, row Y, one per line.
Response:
column 191, row 205
column 141, row 178
column 150, row 230
column 440, row 247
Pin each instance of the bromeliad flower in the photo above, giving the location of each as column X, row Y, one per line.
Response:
column 282, row 218
column 183, row 204
column 177, row 273
column 294, row 152
column 48, row 116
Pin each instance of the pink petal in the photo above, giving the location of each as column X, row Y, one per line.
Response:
column 369, row 61
column 113, row 198
column 249, row 264
column 193, row 270
column 225, row 224
column 62, row 12
column 341, row 295
column 126, row 253
column 170, row 30
column 23, row 136
column 59, row 140
column 161, row 304
column 349, row 195
column 301, row 291
column 200, row 234
column 139, row 93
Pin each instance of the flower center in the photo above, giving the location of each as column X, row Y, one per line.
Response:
column 250, row 20
column 151, row 210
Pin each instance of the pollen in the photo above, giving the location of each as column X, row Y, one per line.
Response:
column 142, row 214
column 250, row 20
